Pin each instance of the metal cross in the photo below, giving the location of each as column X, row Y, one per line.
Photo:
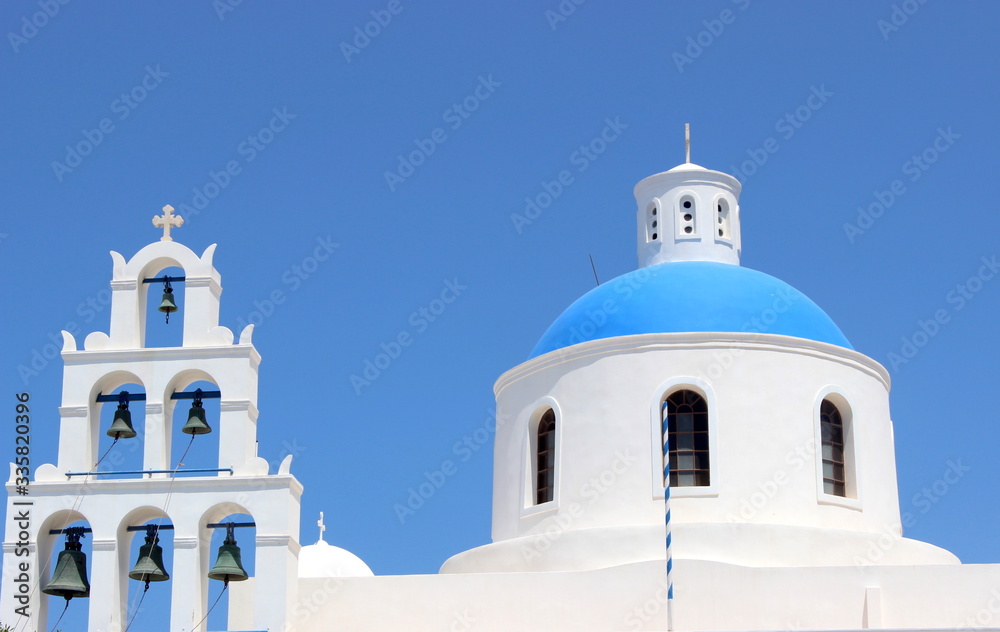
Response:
column 322, row 527
column 167, row 221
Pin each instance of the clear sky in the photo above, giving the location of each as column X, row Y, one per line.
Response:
column 407, row 155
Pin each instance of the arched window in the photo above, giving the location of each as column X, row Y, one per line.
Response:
column 71, row 551
column 156, row 331
column 116, row 416
column 686, row 413
column 686, row 217
column 832, row 429
column 654, row 223
column 545, row 458
column 219, row 617
column 722, row 218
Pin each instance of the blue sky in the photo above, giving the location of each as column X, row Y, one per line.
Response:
column 409, row 152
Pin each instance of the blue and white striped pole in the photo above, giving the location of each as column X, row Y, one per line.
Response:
column 666, row 508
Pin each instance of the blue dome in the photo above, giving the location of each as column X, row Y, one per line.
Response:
column 690, row 296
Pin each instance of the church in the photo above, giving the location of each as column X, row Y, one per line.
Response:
column 693, row 445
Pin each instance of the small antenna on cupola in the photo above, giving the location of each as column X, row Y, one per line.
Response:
column 687, row 143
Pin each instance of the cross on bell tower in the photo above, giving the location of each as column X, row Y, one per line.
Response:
column 167, row 221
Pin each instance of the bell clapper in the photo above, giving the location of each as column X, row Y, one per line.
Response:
column 168, row 290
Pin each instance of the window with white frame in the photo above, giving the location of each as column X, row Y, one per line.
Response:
column 545, row 458
column 686, row 217
column 685, row 413
column 833, row 438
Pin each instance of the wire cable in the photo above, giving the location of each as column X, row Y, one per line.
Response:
column 137, row 606
column 60, row 616
column 107, row 452
column 203, row 619
column 166, row 503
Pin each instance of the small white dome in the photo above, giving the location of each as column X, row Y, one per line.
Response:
column 324, row 560
column 687, row 166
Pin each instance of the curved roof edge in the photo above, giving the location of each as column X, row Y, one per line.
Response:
column 690, row 296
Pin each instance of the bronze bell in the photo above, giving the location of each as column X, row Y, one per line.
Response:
column 121, row 427
column 167, row 305
column 70, row 577
column 196, row 424
column 149, row 567
column 228, row 565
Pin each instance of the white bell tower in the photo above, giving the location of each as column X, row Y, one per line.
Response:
column 188, row 503
column 689, row 213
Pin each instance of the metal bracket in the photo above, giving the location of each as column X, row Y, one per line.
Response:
column 164, row 279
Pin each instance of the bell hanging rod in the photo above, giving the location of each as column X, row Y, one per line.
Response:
column 114, row 397
column 164, row 279
column 71, row 529
column 162, row 527
column 177, row 471
column 141, row 397
column 223, row 525
column 142, row 527
column 197, row 394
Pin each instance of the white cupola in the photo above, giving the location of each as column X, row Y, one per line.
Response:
column 689, row 213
